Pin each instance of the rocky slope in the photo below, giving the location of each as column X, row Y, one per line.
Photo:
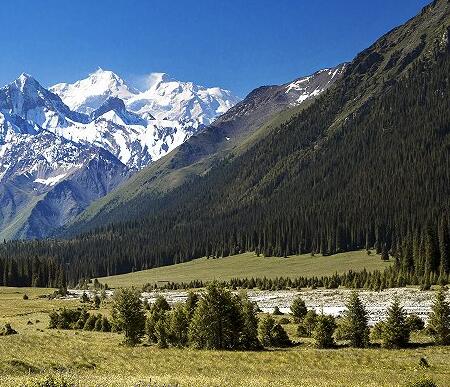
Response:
column 56, row 159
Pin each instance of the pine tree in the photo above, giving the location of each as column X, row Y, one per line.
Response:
column 323, row 331
column 395, row 330
column 178, row 326
column 217, row 321
column 128, row 314
column 439, row 321
column 298, row 309
column 249, row 333
column 354, row 324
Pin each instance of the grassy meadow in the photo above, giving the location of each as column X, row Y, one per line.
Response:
column 249, row 265
column 99, row 359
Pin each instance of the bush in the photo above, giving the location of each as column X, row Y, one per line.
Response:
column 51, row 381
column 323, row 331
column 98, row 323
column 89, row 325
column 272, row 334
column 426, row 382
column 284, row 321
column 128, row 315
column 65, row 319
column 376, row 332
column 298, row 309
column 414, row 323
column 106, row 326
column 97, row 301
column 8, row 330
column 276, row 311
column 161, row 332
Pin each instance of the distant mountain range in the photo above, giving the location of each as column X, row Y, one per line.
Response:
column 64, row 147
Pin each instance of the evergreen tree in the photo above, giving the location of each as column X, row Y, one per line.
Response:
column 439, row 320
column 249, row 333
column 323, row 331
column 354, row 324
column 395, row 332
column 128, row 314
column 306, row 327
column 178, row 326
column 298, row 309
column 217, row 321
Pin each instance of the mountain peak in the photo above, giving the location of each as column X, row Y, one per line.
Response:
column 25, row 81
column 155, row 79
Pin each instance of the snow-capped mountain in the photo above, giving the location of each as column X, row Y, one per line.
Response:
column 58, row 154
column 90, row 93
column 62, row 148
column 139, row 126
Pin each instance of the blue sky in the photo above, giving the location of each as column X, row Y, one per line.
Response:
column 236, row 44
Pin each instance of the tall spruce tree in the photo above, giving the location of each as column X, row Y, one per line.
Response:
column 395, row 332
column 439, row 320
column 355, row 323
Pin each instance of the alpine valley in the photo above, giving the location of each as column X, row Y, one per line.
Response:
column 64, row 147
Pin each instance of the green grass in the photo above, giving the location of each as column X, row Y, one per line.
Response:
column 249, row 265
column 99, row 359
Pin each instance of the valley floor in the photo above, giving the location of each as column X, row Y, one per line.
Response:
column 248, row 265
column 98, row 359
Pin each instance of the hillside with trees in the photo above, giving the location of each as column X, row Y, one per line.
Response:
column 364, row 166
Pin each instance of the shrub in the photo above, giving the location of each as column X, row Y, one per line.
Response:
column 323, row 331
column 106, row 326
column 414, row 323
column 276, row 311
column 51, row 381
column 284, row 321
column 160, row 305
column 279, row 337
column 191, row 304
column 89, row 325
column 97, row 301
column 84, row 298
column 128, row 315
column 248, row 336
column 395, row 332
column 98, row 323
column 8, row 330
column 298, row 309
column 272, row 334
column 65, row 319
column 376, row 332
column 426, row 382
column 161, row 332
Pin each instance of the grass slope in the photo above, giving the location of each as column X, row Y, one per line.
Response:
column 249, row 265
column 96, row 359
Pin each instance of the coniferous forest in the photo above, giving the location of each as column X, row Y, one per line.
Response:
column 365, row 166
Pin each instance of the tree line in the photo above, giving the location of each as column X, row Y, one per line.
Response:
column 219, row 319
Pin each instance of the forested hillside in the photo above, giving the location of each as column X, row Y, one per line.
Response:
column 366, row 165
